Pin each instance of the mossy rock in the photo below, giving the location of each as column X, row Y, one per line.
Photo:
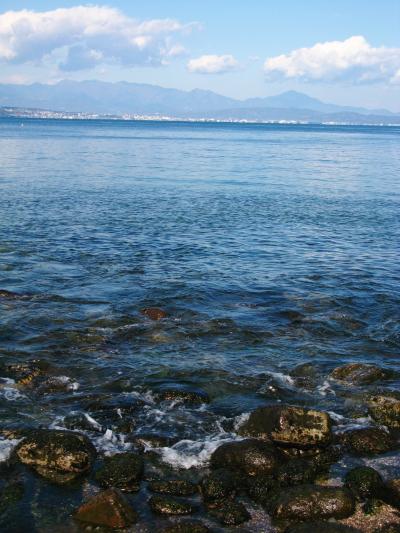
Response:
column 251, row 456
column 365, row 482
column 189, row 526
column 360, row 373
column 320, row 527
column 393, row 492
column 368, row 441
column 183, row 394
column 297, row 472
column 228, row 512
column 260, row 488
column 167, row 505
column 288, row 425
column 174, row 487
column 219, row 485
column 385, row 410
column 122, row 470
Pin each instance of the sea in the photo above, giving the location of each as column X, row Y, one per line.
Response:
column 273, row 249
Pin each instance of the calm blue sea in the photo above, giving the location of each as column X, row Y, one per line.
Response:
column 269, row 246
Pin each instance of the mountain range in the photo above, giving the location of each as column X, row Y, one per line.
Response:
column 143, row 99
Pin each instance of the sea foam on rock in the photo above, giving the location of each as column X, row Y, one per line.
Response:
column 288, row 425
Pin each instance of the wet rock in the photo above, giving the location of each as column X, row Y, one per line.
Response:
column 189, row 526
column 183, row 394
column 359, row 373
column 393, row 492
column 170, row 506
column 385, row 410
column 287, row 425
column 368, row 441
column 174, row 487
column 59, row 456
column 10, row 295
column 11, row 494
column 26, row 374
column 320, row 527
column 228, row 512
column 305, row 375
column 311, row 502
column 220, row 484
column 57, row 384
column 297, row 472
column 154, row 313
column 251, row 456
column 365, row 482
column 388, row 528
column 260, row 488
column 109, row 509
column 122, row 470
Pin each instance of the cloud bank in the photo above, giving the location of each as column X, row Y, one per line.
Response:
column 213, row 64
column 353, row 59
column 84, row 36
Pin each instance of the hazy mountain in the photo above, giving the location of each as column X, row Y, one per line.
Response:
column 139, row 98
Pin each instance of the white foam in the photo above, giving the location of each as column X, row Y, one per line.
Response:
column 111, row 443
column 6, row 447
column 9, row 390
column 325, row 388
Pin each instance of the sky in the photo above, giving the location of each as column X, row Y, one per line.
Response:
column 345, row 52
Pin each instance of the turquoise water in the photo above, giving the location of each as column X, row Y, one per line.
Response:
column 268, row 245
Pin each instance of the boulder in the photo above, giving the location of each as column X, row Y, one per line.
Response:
column 385, row 410
column 368, row 441
column 108, row 509
column 220, row 484
column 260, row 488
column 359, row 373
column 59, row 456
column 297, row 472
column 365, row 482
column 311, row 502
column 154, row 313
column 320, row 527
column 170, row 506
column 393, row 492
column 228, row 512
column 189, row 526
column 183, row 394
column 122, row 470
column 287, row 425
column 251, row 456
column 174, row 487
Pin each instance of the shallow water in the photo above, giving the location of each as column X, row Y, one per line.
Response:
column 268, row 245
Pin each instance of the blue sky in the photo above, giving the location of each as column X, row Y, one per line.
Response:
column 346, row 52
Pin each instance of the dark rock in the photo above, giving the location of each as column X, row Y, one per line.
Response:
column 385, row 410
column 393, row 492
column 56, row 384
column 175, row 487
column 359, row 373
column 251, row 456
column 297, row 472
column 220, row 484
column 310, row 502
column 59, row 456
column 169, row 506
column 122, row 470
column 228, row 512
column 26, row 374
column 189, row 526
column 10, row 295
column 154, row 313
column 305, row 375
column 364, row 482
column 320, row 527
column 287, row 425
column 260, row 488
column 183, row 394
column 109, row 509
column 368, row 441
column 10, row 495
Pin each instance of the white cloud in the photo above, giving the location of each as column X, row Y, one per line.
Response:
column 212, row 64
column 85, row 36
column 353, row 59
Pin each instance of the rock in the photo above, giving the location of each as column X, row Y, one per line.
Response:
column 10, row 494
column 220, row 484
column 154, row 313
column 170, row 506
column 297, row 472
column 10, row 295
column 59, row 456
column 305, row 375
column 183, row 394
column 320, row 527
column 189, row 526
column 368, row 441
column 389, row 528
column 228, row 512
column 359, row 373
column 175, row 487
column 122, row 470
column 153, row 441
column 108, row 509
column 393, row 492
column 287, row 425
column 365, row 482
column 385, row 410
column 260, row 488
column 311, row 502
column 251, row 456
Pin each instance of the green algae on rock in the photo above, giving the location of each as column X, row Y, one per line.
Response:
column 365, row 482
column 385, row 409
column 368, row 441
column 220, row 484
column 188, row 526
column 228, row 512
column 170, row 506
column 174, row 487
column 122, row 470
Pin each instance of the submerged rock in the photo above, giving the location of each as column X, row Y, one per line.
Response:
column 154, row 313
column 183, row 394
column 359, row 373
column 311, row 502
column 251, row 456
column 109, row 509
column 365, row 482
column 320, row 527
column 220, row 484
column 10, row 295
column 287, row 425
column 11, row 494
column 59, row 456
column 368, row 441
column 189, row 526
column 122, row 470
column 385, row 410
column 228, row 512
column 170, row 506
column 174, row 487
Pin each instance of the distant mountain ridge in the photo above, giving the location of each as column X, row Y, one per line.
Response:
column 144, row 99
